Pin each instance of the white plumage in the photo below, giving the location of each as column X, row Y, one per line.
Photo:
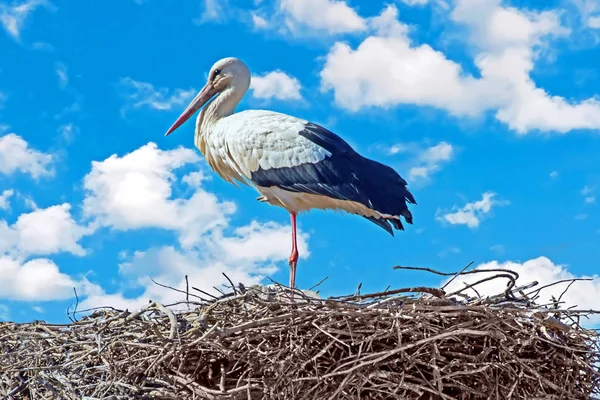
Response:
column 293, row 163
column 251, row 139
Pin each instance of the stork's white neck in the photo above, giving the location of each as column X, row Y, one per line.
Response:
column 223, row 105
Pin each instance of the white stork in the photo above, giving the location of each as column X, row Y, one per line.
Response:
column 293, row 163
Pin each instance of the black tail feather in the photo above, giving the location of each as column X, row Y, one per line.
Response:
column 383, row 223
column 395, row 223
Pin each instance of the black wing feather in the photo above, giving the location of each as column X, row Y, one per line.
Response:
column 345, row 175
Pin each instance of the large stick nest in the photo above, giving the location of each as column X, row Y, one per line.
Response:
column 274, row 343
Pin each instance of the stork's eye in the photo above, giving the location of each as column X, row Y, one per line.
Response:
column 216, row 73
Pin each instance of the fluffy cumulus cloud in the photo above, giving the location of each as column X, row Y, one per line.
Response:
column 141, row 189
column 471, row 214
column 50, row 230
column 247, row 256
column 136, row 191
column 143, row 94
column 42, row 232
column 276, row 85
column 13, row 16
column 16, row 155
column 387, row 69
column 35, row 280
column 328, row 16
column 582, row 294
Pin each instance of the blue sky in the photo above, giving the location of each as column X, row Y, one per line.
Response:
column 488, row 108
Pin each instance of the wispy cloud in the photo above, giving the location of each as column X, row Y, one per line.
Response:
column 16, row 155
column 471, row 214
column 63, row 77
column 498, row 248
column 588, row 194
column 213, row 11
column 259, row 21
column 13, row 17
column 4, row 199
column 68, row 131
column 329, row 16
column 430, row 161
column 143, row 94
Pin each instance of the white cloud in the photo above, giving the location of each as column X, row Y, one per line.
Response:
column 415, row 2
column 554, row 174
column 143, row 94
column 583, row 295
column 13, row 17
column 587, row 193
column 430, row 161
column 471, row 214
column 213, row 11
column 68, row 131
column 589, row 12
column 594, row 22
column 42, row 46
column 16, row 155
column 498, row 248
column 258, row 21
column 195, row 179
column 260, row 243
column 43, row 232
column 276, row 84
column 397, row 148
column 135, row 191
column 4, row 199
column 38, row 279
column 329, row 16
column 386, row 69
column 247, row 256
column 63, row 77
column 50, row 230
column 440, row 152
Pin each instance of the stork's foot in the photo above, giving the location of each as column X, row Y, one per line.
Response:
column 262, row 199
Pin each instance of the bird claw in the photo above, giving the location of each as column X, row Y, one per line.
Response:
column 261, row 198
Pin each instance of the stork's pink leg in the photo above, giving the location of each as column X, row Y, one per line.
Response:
column 294, row 255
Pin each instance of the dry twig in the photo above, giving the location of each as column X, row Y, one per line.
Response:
column 258, row 343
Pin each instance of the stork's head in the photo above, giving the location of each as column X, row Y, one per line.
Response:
column 227, row 73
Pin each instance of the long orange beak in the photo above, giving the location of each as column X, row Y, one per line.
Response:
column 207, row 92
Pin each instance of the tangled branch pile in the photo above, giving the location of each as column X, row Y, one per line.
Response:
column 275, row 343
